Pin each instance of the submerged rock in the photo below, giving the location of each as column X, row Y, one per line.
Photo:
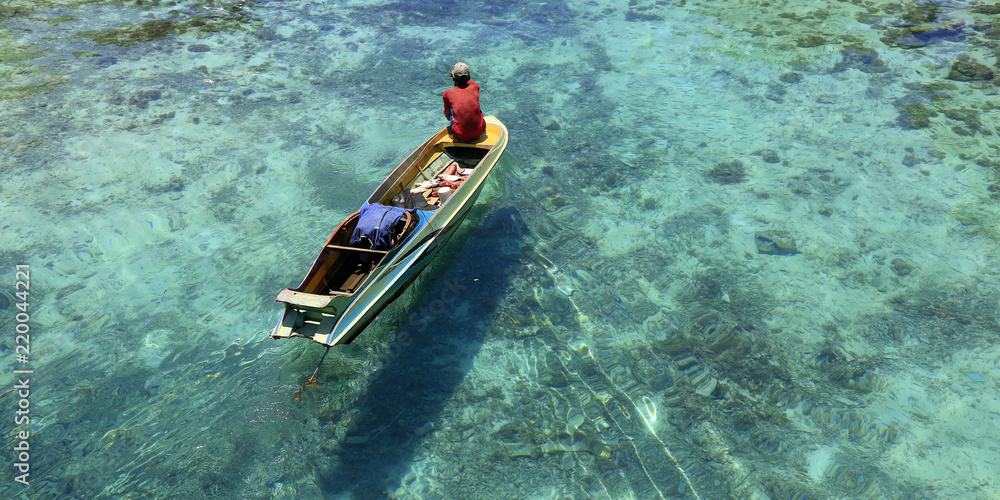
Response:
column 923, row 35
column 768, row 155
column 149, row 95
column 902, row 267
column 775, row 242
column 141, row 99
column 547, row 122
column 199, row 47
column 106, row 61
column 967, row 70
column 791, row 77
column 866, row 61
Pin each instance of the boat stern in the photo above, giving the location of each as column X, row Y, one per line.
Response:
column 308, row 315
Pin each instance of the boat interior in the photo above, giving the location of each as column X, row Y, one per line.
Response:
column 463, row 157
column 343, row 268
column 433, row 161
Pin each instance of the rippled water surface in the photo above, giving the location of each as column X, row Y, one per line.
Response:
column 735, row 250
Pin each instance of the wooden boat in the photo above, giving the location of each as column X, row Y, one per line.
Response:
column 347, row 286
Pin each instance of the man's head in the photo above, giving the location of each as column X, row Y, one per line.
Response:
column 460, row 73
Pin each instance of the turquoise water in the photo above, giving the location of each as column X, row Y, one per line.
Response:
column 735, row 250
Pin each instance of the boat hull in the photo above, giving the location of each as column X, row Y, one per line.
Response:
column 338, row 318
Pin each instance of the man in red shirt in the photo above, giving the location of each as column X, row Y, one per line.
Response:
column 461, row 106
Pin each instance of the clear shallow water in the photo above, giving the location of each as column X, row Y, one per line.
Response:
column 605, row 327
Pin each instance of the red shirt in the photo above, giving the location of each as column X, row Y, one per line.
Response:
column 461, row 107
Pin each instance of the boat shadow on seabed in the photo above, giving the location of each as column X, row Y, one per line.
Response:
column 429, row 355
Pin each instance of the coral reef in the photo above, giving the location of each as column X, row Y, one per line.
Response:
column 727, row 172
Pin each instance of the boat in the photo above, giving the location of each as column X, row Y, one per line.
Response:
column 349, row 285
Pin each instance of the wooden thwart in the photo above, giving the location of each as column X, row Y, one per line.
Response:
column 303, row 299
column 355, row 249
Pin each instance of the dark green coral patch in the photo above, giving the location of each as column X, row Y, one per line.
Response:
column 11, row 52
column 988, row 9
column 27, row 8
column 790, row 77
column 727, row 172
column 866, row 18
column 917, row 116
column 939, row 87
column 810, row 41
column 16, row 92
column 134, row 34
column 915, row 13
column 921, row 13
column 54, row 21
column 969, row 117
column 965, row 69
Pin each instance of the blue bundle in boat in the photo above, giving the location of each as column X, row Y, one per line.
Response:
column 375, row 226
